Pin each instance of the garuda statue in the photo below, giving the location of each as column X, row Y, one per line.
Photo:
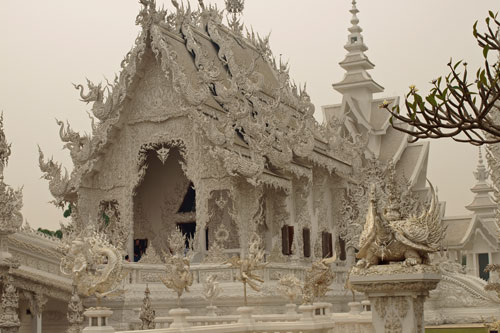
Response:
column 386, row 237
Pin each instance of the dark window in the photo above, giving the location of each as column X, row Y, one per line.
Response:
column 354, row 40
column 483, row 260
column 326, row 244
column 206, row 239
column 342, row 252
column 306, row 240
column 140, row 246
column 286, row 239
column 464, row 260
column 188, row 229
column 189, row 202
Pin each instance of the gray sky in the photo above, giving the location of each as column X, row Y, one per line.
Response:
column 47, row 45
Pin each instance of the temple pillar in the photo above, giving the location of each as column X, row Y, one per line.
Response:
column 37, row 303
column 9, row 318
column 397, row 294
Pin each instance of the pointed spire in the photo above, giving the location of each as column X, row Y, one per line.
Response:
column 481, row 174
column 356, row 63
column 483, row 202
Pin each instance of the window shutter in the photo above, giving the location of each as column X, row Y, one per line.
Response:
column 326, row 244
column 284, row 240
column 306, row 240
column 342, row 254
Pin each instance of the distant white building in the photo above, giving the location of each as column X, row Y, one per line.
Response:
column 473, row 239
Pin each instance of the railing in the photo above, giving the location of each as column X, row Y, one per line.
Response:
column 152, row 273
column 317, row 318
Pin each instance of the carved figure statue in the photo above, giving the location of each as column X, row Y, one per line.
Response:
column 247, row 266
column 177, row 265
column 290, row 286
column 94, row 264
column 318, row 278
column 211, row 288
column 75, row 313
column 387, row 238
column 147, row 315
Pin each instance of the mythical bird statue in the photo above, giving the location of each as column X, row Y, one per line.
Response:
column 388, row 238
column 177, row 265
column 318, row 278
column 247, row 266
column 94, row 264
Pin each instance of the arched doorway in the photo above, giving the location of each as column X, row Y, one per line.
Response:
column 164, row 200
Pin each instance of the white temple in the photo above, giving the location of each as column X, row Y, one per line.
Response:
column 203, row 131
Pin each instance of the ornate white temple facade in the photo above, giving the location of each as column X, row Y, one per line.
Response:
column 203, row 130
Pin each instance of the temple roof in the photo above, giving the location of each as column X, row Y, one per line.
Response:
column 228, row 84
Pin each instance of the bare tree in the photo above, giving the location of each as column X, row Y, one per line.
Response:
column 455, row 107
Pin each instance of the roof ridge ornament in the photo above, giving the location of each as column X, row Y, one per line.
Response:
column 235, row 8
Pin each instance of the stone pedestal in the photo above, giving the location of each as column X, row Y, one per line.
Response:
column 355, row 307
column 245, row 315
column 180, row 320
column 307, row 312
column 291, row 308
column 397, row 294
column 98, row 320
column 211, row 311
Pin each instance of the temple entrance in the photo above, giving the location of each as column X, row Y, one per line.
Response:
column 164, row 200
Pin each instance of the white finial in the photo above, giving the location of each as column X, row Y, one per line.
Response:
column 481, row 174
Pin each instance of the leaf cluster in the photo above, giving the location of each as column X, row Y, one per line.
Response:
column 457, row 107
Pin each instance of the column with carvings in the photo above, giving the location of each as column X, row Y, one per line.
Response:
column 10, row 222
column 397, row 294
column 75, row 313
column 37, row 303
column 9, row 318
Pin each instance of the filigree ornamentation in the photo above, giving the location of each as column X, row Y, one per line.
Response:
column 147, row 315
column 9, row 320
column 59, row 184
column 178, row 276
column 75, row 313
column 109, row 223
column 94, row 264
column 317, row 280
column 355, row 206
column 150, row 257
column 247, row 266
column 290, row 286
column 101, row 109
column 216, row 253
column 211, row 288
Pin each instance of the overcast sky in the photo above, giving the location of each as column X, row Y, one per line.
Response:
column 47, row 45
